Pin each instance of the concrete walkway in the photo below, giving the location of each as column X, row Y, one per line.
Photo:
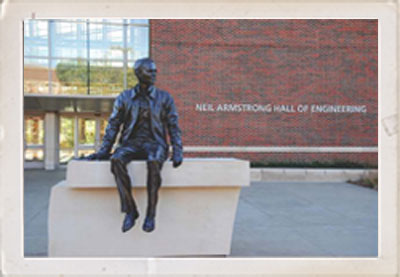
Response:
column 296, row 219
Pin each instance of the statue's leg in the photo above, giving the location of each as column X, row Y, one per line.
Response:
column 153, row 185
column 119, row 160
column 156, row 157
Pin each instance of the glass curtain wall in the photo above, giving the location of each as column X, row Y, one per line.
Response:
column 84, row 57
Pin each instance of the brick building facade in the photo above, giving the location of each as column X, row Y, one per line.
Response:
column 305, row 84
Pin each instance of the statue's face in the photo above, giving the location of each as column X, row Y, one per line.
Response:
column 147, row 73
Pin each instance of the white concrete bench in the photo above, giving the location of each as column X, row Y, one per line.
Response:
column 195, row 213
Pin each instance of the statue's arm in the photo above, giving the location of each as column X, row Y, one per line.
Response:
column 174, row 132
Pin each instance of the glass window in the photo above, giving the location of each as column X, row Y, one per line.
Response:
column 106, row 78
column 107, row 42
column 36, row 76
column 66, row 28
column 114, row 33
column 36, row 49
column 138, row 42
column 103, row 126
column 61, row 57
column 36, row 38
column 66, row 155
column 34, row 138
column 34, row 132
column 70, row 40
column 113, row 21
column 85, row 143
column 87, row 130
column 34, row 155
column 96, row 31
column 36, row 28
column 67, row 127
column 40, row 28
column 106, row 51
column 70, row 77
column 139, row 21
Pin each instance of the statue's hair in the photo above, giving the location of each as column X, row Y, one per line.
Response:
column 139, row 63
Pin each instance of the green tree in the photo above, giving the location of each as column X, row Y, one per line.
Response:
column 103, row 79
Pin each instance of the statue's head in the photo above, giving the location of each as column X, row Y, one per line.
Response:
column 146, row 71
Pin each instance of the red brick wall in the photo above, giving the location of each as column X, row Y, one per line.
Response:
column 365, row 159
column 288, row 62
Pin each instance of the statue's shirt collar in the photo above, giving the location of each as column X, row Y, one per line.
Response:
column 136, row 90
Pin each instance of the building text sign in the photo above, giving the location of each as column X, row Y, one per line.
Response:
column 280, row 108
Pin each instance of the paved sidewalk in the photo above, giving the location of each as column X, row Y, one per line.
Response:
column 306, row 220
column 295, row 219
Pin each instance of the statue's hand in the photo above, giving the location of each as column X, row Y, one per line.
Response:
column 176, row 160
column 96, row 156
column 91, row 157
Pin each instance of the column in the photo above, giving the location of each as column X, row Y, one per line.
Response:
column 51, row 140
column 76, row 136
column 97, row 140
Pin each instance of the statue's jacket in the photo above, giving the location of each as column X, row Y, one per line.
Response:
column 164, row 118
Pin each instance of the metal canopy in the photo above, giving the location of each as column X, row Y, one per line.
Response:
column 69, row 103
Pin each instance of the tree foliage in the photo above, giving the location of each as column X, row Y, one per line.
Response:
column 103, row 79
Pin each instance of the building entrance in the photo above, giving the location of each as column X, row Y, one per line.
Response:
column 80, row 135
column 74, row 135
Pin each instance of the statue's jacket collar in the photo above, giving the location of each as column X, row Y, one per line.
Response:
column 135, row 91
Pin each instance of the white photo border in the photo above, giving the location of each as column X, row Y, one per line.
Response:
column 13, row 262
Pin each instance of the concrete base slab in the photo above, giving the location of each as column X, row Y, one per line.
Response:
column 193, row 221
column 194, row 172
column 195, row 212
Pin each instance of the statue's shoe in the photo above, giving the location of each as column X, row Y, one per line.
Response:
column 149, row 224
column 129, row 221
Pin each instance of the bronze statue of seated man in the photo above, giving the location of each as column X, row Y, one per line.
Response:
column 146, row 114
